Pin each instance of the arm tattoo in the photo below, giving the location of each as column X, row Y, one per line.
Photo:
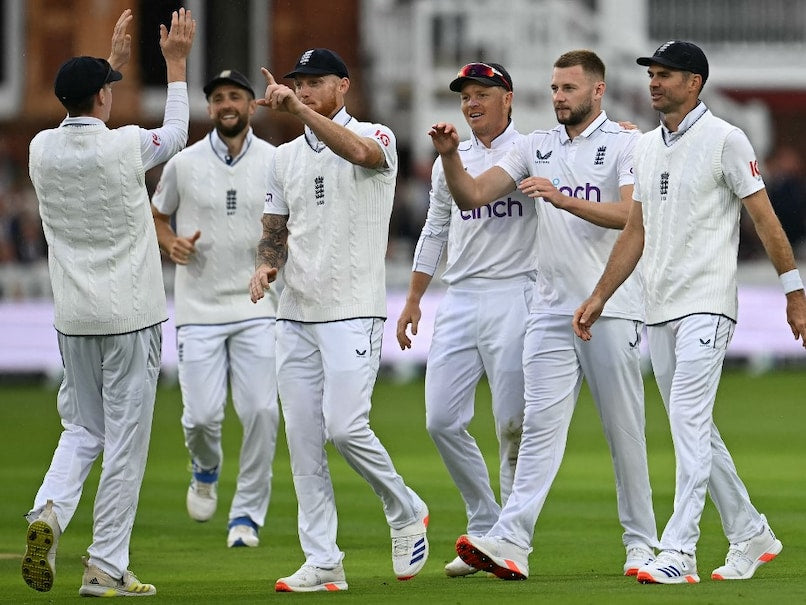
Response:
column 272, row 249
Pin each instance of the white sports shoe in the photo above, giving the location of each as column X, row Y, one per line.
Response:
column 637, row 557
column 98, row 583
column 410, row 547
column 310, row 578
column 494, row 555
column 202, row 499
column 458, row 568
column 242, row 532
column 670, row 567
column 744, row 558
column 39, row 560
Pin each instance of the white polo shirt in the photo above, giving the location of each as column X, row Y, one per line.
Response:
column 572, row 252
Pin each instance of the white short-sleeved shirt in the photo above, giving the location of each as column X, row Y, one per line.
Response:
column 572, row 252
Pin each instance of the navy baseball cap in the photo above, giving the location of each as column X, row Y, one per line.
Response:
column 229, row 76
column 686, row 56
column 488, row 74
column 319, row 62
column 81, row 77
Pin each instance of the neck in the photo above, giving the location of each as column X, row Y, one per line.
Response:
column 673, row 119
column 234, row 143
column 487, row 139
column 574, row 130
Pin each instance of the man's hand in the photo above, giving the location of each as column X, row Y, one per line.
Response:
column 259, row 283
column 177, row 41
column 444, row 137
column 410, row 315
column 536, row 186
column 796, row 315
column 121, row 41
column 278, row 96
column 182, row 248
column 587, row 313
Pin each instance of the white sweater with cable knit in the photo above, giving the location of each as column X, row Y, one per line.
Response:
column 102, row 246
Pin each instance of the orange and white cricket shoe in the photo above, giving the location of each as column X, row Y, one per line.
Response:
column 494, row 555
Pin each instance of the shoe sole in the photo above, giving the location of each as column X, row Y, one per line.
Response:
column 632, row 571
column 647, row 578
column 36, row 570
column 326, row 587
column 484, row 562
column 768, row 556
column 109, row 591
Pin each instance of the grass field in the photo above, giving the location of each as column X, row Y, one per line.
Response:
column 577, row 554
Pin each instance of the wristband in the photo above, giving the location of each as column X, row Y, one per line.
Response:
column 791, row 281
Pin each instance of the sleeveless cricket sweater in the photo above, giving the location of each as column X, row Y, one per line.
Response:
column 102, row 246
column 224, row 202
column 338, row 228
column 691, row 222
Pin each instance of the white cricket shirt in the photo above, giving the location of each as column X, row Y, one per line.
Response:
column 572, row 252
column 495, row 241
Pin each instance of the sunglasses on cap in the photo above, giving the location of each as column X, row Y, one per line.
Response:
column 482, row 70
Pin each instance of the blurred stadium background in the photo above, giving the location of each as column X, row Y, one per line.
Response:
column 402, row 54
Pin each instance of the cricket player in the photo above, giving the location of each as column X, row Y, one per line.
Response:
column 109, row 303
column 490, row 271
column 693, row 173
column 326, row 221
column 215, row 190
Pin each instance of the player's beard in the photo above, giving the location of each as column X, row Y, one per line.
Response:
column 235, row 129
column 577, row 115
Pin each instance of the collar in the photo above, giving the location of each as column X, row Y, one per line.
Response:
column 508, row 135
column 689, row 121
column 592, row 127
column 221, row 150
column 341, row 117
column 82, row 121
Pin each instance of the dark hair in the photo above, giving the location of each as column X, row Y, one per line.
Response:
column 587, row 59
column 79, row 107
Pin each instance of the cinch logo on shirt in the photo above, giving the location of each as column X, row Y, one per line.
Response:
column 588, row 191
column 500, row 209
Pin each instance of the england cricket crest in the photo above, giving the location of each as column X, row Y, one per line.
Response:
column 319, row 190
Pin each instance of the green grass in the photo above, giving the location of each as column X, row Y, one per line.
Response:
column 577, row 554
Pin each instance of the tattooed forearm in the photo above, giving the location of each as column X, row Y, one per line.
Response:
column 272, row 249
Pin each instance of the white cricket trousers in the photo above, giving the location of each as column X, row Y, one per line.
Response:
column 106, row 403
column 325, row 375
column 555, row 362
column 687, row 356
column 245, row 352
column 479, row 329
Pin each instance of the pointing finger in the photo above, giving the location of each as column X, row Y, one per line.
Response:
column 267, row 74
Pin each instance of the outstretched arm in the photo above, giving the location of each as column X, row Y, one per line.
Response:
column 467, row 192
column 358, row 150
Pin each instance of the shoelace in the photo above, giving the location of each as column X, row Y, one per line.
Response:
column 204, row 489
column 736, row 554
column 403, row 546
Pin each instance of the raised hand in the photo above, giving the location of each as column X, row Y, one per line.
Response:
column 177, row 41
column 278, row 96
column 121, row 41
column 444, row 137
